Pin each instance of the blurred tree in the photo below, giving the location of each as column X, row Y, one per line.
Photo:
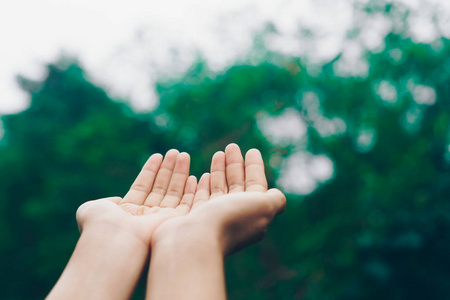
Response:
column 379, row 228
column 71, row 145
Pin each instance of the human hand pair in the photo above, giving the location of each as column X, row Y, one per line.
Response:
column 190, row 227
column 231, row 204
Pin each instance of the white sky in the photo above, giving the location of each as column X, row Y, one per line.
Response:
column 126, row 45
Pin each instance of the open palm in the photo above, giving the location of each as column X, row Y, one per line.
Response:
column 235, row 207
column 162, row 190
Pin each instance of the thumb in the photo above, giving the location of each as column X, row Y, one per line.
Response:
column 278, row 198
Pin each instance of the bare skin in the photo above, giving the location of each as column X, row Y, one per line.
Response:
column 188, row 252
column 189, row 228
column 116, row 233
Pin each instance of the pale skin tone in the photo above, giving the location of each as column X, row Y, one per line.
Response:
column 189, row 228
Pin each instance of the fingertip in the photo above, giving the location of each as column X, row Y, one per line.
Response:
column 218, row 154
column 183, row 156
column 280, row 197
column 233, row 154
column 232, row 147
column 253, row 152
column 191, row 185
column 218, row 162
column 153, row 162
column 253, row 156
column 170, row 159
column 192, row 180
column 156, row 157
column 204, row 177
column 172, row 152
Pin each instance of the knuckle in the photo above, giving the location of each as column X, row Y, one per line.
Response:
column 139, row 187
column 217, row 190
column 173, row 192
column 236, row 186
column 159, row 190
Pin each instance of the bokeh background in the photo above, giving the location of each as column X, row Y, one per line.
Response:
column 348, row 101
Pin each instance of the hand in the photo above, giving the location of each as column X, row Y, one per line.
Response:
column 234, row 209
column 161, row 191
column 116, row 233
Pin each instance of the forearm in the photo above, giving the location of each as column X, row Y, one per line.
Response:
column 106, row 264
column 186, row 266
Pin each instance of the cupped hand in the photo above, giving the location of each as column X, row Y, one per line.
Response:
column 162, row 190
column 235, row 208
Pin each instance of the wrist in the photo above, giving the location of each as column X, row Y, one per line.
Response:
column 187, row 234
column 114, row 246
column 114, row 232
column 106, row 264
column 185, row 256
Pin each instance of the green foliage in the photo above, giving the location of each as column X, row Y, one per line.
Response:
column 380, row 228
column 72, row 144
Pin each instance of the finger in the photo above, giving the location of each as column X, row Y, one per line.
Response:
column 218, row 176
column 203, row 192
column 162, row 179
column 279, row 200
column 143, row 184
column 177, row 182
column 255, row 178
column 188, row 196
column 234, row 168
column 116, row 200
